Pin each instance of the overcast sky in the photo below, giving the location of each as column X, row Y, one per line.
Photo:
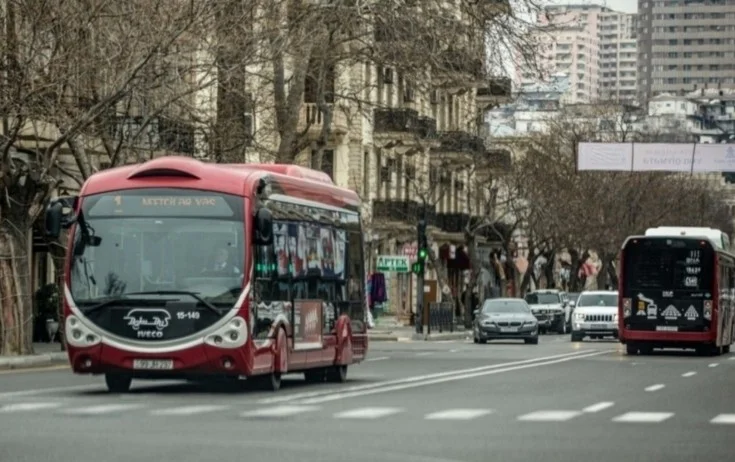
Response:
column 626, row 6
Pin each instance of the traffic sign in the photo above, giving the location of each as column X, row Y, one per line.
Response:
column 393, row 264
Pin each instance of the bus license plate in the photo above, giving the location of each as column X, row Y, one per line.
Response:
column 667, row 328
column 156, row 364
column 508, row 329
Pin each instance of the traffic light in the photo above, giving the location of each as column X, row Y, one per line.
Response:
column 422, row 250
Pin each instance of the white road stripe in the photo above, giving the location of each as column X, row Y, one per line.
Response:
column 368, row 413
column 643, row 417
column 598, row 407
column 39, row 391
column 279, row 411
column 421, row 378
column 380, row 358
column 23, row 407
column 102, row 409
column 188, row 410
column 453, row 351
column 714, row 365
column 383, row 388
column 732, row 358
column 656, row 387
column 425, row 353
column 458, row 414
column 689, row 374
column 726, row 419
column 549, row 416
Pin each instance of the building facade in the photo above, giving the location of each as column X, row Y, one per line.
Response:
column 685, row 45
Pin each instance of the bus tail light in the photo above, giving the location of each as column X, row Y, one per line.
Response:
column 626, row 307
column 707, row 311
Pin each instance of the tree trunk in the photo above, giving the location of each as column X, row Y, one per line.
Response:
column 16, row 308
column 58, row 254
column 474, row 273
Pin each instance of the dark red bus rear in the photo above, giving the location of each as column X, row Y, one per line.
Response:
column 675, row 292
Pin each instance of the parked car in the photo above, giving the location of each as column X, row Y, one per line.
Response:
column 505, row 318
column 596, row 315
column 549, row 308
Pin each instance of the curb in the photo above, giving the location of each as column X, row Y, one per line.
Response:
column 26, row 362
column 441, row 336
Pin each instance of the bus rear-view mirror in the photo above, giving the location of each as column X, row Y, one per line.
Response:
column 263, row 227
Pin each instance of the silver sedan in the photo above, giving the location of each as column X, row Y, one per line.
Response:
column 505, row 318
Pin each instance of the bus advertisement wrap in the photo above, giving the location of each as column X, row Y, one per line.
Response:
column 656, row 157
column 308, row 321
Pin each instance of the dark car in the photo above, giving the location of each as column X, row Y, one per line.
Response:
column 505, row 318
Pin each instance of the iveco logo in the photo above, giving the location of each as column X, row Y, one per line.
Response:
column 148, row 318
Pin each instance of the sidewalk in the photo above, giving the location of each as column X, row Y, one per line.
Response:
column 46, row 354
column 390, row 331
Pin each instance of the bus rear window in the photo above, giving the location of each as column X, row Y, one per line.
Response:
column 668, row 264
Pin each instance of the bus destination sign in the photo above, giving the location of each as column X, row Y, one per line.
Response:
column 203, row 205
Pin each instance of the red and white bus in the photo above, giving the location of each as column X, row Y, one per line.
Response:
column 188, row 270
column 676, row 291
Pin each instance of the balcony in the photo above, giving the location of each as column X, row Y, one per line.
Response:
column 494, row 92
column 403, row 211
column 403, row 121
column 461, row 62
column 160, row 134
column 452, row 222
column 312, row 118
column 459, row 141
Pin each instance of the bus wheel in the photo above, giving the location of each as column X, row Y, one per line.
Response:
column 631, row 349
column 337, row 374
column 270, row 382
column 118, row 383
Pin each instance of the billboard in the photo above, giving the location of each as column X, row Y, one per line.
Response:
column 656, row 157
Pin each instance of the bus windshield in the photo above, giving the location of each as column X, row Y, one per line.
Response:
column 668, row 264
column 159, row 240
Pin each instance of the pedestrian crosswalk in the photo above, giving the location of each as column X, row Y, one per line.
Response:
column 604, row 411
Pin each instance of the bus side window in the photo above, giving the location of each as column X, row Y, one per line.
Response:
column 355, row 278
column 270, row 292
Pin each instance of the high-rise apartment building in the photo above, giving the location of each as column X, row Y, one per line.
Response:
column 594, row 45
column 683, row 44
column 618, row 58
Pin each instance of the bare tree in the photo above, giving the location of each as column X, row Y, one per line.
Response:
column 583, row 211
column 84, row 81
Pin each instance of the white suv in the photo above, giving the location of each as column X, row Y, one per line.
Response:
column 595, row 315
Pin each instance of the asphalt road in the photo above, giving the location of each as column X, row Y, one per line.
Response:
column 411, row 402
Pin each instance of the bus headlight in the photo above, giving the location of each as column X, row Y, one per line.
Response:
column 707, row 311
column 78, row 334
column 234, row 334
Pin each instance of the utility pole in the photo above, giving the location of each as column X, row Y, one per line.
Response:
column 418, row 269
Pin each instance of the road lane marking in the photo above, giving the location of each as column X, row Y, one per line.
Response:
column 367, row 413
column 458, row 414
column 279, row 411
column 102, row 409
column 39, row 391
column 643, row 417
column 454, row 351
column 689, row 374
column 380, row 358
column 656, row 387
column 598, row 407
column 419, row 378
column 549, row 416
column 726, row 419
column 23, row 407
column 714, row 365
column 188, row 410
column 384, row 389
column 425, row 353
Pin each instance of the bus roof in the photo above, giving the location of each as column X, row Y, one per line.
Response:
column 236, row 179
column 718, row 239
